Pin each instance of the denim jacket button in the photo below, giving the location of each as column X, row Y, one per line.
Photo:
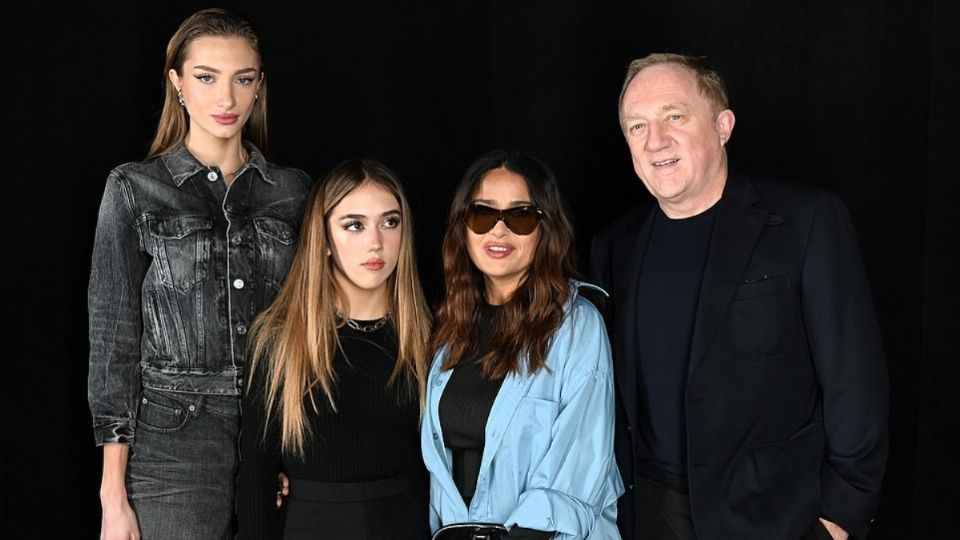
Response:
column 212, row 176
column 238, row 283
column 236, row 240
column 241, row 329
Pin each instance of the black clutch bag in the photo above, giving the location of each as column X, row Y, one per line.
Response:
column 471, row 531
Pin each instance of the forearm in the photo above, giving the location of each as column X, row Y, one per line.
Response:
column 112, row 485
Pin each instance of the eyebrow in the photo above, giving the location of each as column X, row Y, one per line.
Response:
column 363, row 216
column 237, row 72
column 668, row 107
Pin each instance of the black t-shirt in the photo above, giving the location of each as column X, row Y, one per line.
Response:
column 667, row 297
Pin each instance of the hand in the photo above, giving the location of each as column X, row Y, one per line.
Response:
column 119, row 521
column 284, row 484
column 836, row 532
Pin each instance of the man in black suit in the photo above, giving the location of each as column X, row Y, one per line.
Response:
column 752, row 384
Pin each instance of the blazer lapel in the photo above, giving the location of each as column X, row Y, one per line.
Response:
column 627, row 281
column 737, row 228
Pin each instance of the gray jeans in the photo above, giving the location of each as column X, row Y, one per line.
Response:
column 183, row 465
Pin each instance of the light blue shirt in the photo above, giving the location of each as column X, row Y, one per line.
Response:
column 548, row 459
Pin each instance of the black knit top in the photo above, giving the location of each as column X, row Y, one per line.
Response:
column 373, row 434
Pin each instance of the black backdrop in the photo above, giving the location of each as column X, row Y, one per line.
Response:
column 857, row 96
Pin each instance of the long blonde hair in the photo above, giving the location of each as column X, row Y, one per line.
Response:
column 295, row 339
column 174, row 121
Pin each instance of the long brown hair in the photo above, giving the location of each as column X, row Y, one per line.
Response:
column 295, row 339
column 174, row 121
column 528, row 320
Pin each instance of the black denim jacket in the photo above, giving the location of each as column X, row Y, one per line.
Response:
column 182, row 264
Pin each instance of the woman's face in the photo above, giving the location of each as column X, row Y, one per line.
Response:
column 221, row 76
column 365, row 232
column 500, row 254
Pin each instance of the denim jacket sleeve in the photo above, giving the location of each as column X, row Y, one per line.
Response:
column 574, row 489
column 113, row 301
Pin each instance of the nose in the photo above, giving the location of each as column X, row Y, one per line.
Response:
column 500, row 229
column 226, row 99
column 376, row 241
column 657, row 138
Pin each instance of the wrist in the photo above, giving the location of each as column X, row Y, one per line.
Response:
column 113, row 494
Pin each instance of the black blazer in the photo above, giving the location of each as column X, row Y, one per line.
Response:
column 787, row 391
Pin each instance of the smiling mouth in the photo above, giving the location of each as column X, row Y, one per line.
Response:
column 665, row 162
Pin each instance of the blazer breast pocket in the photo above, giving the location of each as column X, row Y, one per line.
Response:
column 760, row 317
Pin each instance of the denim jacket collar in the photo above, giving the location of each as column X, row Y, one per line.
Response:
column 182, row 165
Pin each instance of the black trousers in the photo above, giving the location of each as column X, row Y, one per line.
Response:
column 663, row 513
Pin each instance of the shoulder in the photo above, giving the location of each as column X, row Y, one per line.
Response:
column 288, row 177
column 626, row 224
column 785, row 197
column 582, row 329
column 141, row 172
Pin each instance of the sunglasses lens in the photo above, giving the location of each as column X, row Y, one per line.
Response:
column 522, row 220
column 480, row 219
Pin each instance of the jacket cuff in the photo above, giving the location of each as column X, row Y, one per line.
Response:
column 113, row 430
column 845, row 505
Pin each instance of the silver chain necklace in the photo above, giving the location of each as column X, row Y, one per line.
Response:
column 369, row 327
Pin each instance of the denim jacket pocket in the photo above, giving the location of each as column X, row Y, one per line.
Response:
column 182, row 249
column 276, row 244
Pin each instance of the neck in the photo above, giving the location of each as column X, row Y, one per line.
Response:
column 498, row 292
column 365, row 305
column 226, row 154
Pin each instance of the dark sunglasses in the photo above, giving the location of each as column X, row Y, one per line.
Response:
column 521, row 220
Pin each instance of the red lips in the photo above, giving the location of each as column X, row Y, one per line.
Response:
column 374, row 264
column 226, row 119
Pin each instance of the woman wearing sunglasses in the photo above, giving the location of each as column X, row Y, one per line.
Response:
column 518, row 431
column 338, row 367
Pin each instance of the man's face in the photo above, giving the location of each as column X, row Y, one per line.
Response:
column 676, row 139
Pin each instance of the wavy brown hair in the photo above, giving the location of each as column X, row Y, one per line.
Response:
column 531, row 316
column 295, row 339
column 174, row 120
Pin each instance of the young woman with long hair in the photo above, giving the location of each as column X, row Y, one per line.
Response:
column 190, row 245
column 338, row 368
column 518, row 427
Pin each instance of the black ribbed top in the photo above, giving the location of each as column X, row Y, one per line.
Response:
column 374, row 433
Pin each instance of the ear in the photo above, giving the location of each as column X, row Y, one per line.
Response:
column 725, row 122
column 175, row 79
column 260, row 80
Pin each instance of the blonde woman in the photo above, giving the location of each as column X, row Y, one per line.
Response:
column 338, row 372
column 190, row 245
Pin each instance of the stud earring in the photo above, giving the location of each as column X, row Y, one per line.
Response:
column 180, row 98
column 256, row 97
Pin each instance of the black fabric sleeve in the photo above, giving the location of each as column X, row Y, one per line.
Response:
column 257, row 514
